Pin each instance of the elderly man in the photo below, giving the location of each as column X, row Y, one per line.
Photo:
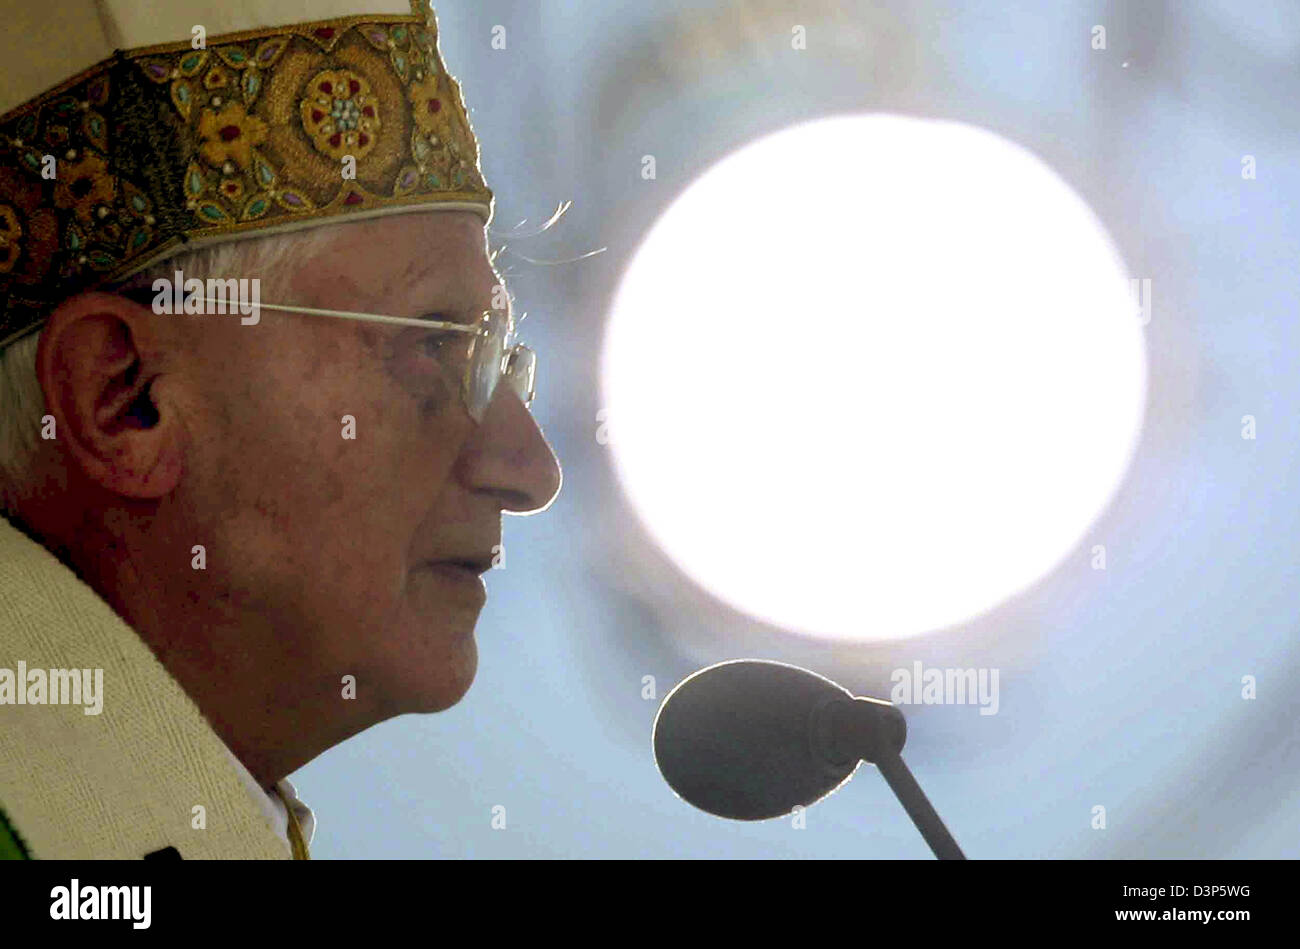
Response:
column 234, row 540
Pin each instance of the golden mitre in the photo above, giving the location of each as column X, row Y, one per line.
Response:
column 133, row 130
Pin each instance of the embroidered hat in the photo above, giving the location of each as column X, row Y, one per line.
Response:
column 132, row 130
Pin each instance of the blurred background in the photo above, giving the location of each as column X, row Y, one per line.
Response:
column 1140, row 603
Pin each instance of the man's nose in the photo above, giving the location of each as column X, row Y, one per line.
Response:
column 508, row 456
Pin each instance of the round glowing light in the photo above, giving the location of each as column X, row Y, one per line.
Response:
column 872, row 375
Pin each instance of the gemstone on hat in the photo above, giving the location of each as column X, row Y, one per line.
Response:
column 340, row 114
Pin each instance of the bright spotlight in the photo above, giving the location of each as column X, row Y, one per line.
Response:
column 872, row 375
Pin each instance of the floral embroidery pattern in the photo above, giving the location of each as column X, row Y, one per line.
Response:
column 230, row 135
column 29, row 233
column 11, row 233
column 436, row 143
column 85, row 186
column 132, row 182
column 340, row 114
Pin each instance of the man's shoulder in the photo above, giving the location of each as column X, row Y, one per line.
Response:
column 102, row 753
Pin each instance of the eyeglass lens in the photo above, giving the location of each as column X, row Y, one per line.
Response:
column 488, row 362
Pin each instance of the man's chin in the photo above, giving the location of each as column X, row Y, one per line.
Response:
column 434, row 684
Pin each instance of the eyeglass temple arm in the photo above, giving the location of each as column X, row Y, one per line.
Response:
column 368, row 317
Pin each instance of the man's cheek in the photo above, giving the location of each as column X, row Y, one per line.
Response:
column 335, row 487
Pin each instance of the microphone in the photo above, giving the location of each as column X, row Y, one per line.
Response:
column 750, row 739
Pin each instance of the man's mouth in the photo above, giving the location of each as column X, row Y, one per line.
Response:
column 462, row 575
column 472, row 567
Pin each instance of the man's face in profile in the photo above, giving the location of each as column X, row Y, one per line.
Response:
column 361, row 555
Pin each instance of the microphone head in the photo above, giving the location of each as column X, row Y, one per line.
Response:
column 740, row 739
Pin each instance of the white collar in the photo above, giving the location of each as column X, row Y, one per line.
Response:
column 273, row 807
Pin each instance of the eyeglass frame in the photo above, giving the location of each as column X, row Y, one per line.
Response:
column 517, row 360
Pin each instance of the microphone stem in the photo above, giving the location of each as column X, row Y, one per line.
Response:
column 918, row 807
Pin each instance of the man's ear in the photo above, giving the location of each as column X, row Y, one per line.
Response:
column 97, row 362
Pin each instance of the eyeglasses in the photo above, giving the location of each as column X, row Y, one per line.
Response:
column 487, row 356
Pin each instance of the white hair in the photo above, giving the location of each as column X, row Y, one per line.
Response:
column 22, row 403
